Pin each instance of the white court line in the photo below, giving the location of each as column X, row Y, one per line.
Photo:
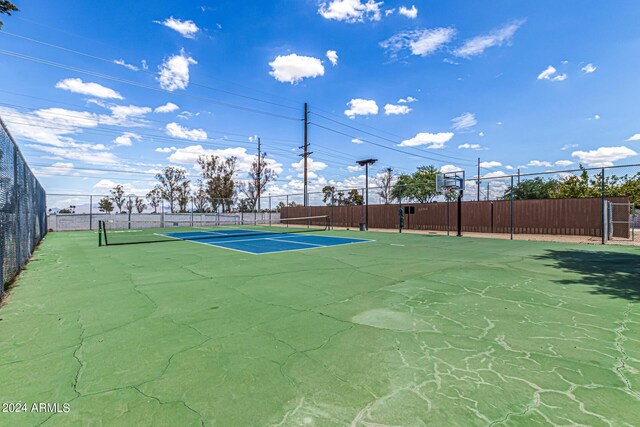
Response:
column 293, row 241
column 220, row 244
column 394, row 244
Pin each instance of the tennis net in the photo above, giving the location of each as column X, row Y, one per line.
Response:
column 124, row 232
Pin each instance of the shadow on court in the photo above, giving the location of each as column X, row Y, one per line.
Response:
column 610, row 273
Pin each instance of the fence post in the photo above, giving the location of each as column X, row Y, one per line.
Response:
column 511, row 207
column 162, row 214
column 269, row 210
column 604, row 213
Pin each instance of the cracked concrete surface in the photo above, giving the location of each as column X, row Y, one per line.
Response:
column 440, row 331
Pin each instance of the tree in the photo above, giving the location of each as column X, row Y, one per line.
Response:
column 171, row 181
column 354, row 198
column 245, row 205
column 537, row 188
column 129, row 205
column 200, row 198
column 184, row 195
column 6, row 7
column 328, row 195
column 105, row 205
column 155, row 198
column 117, row 195
column 419, row 186
column 140, row 205
column 401, row 189
column 384, row 180
column 218, row 177
column 260, row 175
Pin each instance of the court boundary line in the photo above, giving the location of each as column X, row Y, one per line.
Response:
column 268, row 238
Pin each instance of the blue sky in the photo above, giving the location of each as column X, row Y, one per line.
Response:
column 537, row 85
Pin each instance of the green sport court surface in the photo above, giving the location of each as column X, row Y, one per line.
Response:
column 409, row 330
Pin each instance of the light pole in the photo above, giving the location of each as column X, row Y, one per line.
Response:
column 366, row 164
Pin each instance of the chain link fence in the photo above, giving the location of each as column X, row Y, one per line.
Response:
column 23, row 220
column 586, row 205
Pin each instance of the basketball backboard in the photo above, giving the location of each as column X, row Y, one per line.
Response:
column 450, row 181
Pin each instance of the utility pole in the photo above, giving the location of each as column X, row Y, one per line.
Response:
column 306, row 152
column 366, row 164
column 478, row 181
column 259, row 174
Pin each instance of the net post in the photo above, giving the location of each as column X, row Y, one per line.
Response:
column 90, row 212
column 99, row 233
column 604, row 214
column 511, row 209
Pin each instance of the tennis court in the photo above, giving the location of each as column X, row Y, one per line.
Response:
column 405, row 329
column 254, row 238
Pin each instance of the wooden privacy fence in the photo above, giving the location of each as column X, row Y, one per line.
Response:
column 577, row 217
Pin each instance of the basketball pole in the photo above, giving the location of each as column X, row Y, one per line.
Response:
column 460, row 213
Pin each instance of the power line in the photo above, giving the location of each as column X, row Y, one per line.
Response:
column 147, row 71
column 143, row 86
column 376, row 144
column 150, row 72
column 116, row 125
column 384, row 138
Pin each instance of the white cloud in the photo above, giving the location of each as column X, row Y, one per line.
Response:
column 187, row 29
column 52, row 126
column 293, row 68
column 189, row 156
column 129, row 188
column 480, row 134
column 567, row 146
column 123, row 115
column 177, row 131
column 126, row 139
column 166, row 108
column 350, row 11
column 165, row 149
column 550, row 74
column 432, row 140
column 125, row 65
column 469, row 146
column 407, row 100
column 538, row 163
column 174, row 71
column 312, row 165
column 449, row 168
column 419, row 42
column 589, row 68
column 411, row 13
column 354, row 168
column 464, row 121
column 596, row 117
column 58, row 168
column 357, row 141
column 492, row 164
column 332, row 56
column 603, row 156
column 391, row 109
column 92, row 89
column 635, row 137
column 361, row 107
column 81, row 152
column 497, row 37
column 564, row 163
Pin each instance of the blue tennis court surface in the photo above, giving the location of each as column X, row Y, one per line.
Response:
column 262, row 242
